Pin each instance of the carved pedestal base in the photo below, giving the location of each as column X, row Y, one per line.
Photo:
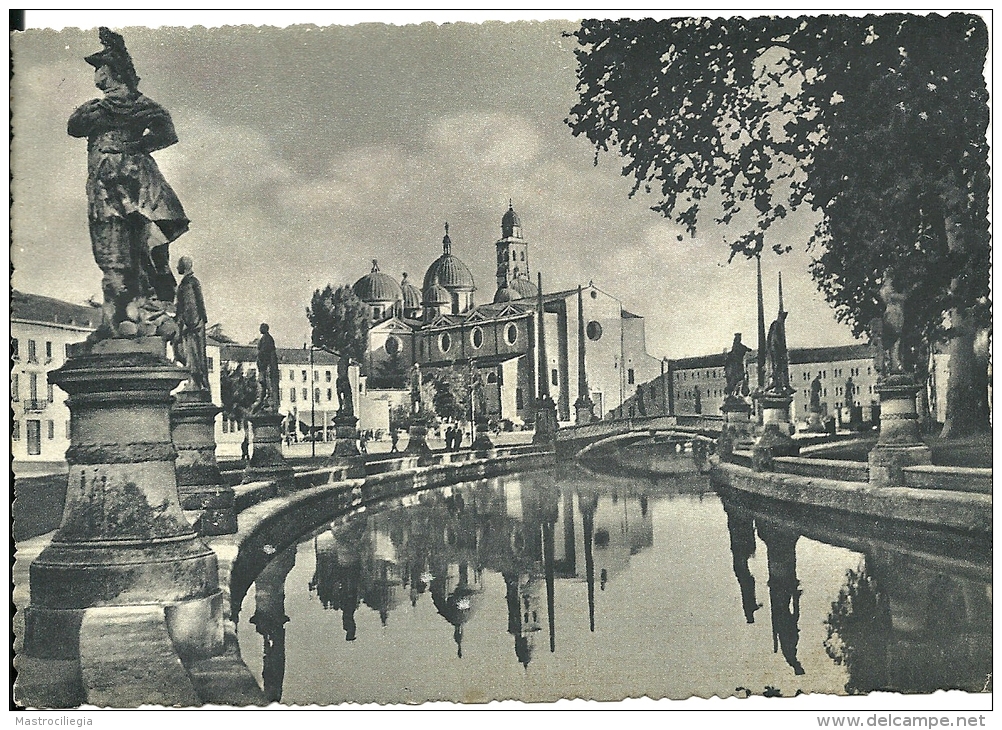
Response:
column 417, row 442
column 738, row 432
column 346, row 454
column 546, row 423
column 199, row 483
column 775, row 437
column 123, row 540
column 267, row 463
column 898, row 444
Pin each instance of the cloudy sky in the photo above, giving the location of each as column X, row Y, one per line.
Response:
column 307, row 151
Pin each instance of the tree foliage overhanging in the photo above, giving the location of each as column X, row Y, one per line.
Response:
column 876, row 122
column 340, row 322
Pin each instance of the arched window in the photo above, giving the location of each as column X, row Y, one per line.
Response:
column 522, row 256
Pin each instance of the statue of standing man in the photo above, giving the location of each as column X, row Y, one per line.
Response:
column 734, row 368
column 267, row 373
column 134, row 214
column 191, row 319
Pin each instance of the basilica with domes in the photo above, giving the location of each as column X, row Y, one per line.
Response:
column 440, row 325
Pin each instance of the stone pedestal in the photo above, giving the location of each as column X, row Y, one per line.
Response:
column 546, row 423
column 584, row 411
column 737, row 432
column 775, row 437
column 346, row 454
column 814, row 422
column 417, row 442
column 267, row 463
column 899, row 444
column 483, row 440
column 123, row 540
column 199, row 484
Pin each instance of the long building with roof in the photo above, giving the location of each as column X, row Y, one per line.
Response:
column 441, row 325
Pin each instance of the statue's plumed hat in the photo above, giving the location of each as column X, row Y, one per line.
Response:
column 115, row 56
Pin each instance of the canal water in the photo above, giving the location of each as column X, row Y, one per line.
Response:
column 566, row 583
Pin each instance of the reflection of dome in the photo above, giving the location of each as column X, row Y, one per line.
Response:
column 524, row 288
column 377, row 287
column 451, row 273
column 411, row 294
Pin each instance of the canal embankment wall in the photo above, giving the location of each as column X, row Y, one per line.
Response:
column 930, row 497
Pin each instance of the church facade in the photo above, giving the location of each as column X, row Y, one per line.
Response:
column 440, row 325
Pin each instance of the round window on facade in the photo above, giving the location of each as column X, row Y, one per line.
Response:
column 477, row 337
column 594, row 294
column 594, row 330
column 392, row 345
column 511, row 334
column 444, row 342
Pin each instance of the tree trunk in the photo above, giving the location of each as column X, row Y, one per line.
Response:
column 967, row 387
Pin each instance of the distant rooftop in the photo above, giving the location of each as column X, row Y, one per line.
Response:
column 36, row 308
column 798, row 356
column 286, row 355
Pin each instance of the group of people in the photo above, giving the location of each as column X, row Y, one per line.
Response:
column 453, row 438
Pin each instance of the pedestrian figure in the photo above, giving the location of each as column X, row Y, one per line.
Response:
column 245, row 447
column 363, row 438
column 394, row 437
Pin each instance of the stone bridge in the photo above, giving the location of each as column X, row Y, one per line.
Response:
column 573, row 441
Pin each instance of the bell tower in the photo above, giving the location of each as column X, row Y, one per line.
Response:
column 512, row 250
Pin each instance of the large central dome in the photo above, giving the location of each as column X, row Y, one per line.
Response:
column 448, row 270
column 377, row 287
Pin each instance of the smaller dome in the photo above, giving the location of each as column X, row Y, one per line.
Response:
column 525, row 288
column 509, row 221
column 505, row 294
column 436, row 295
column 411, row 294
column 377, row 287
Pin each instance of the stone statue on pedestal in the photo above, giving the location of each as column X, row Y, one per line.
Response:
column 778, row 382
column 191, row 318
column 415, row 381
column 267, row 373
column 816, row 394
column 134, row 214
column 734, row 368
column 346, row 407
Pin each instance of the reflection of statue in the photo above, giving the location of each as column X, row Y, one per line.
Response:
column 133, row 212
column 191, row 320
column 741, row 528
column 784, row 591
column 344, row 395
column 779, row 357
column 267, row 373
column 734, row 368
column 816, row 394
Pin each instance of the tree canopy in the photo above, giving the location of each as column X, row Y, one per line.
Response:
column 340, row 322
column 878, row 123
column 237, row 393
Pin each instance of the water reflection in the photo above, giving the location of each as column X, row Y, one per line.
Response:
column 574, row 555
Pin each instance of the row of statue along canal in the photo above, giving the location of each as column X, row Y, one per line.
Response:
column 570, row 583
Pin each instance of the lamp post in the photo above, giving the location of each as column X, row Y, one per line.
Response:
column 313, row 405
